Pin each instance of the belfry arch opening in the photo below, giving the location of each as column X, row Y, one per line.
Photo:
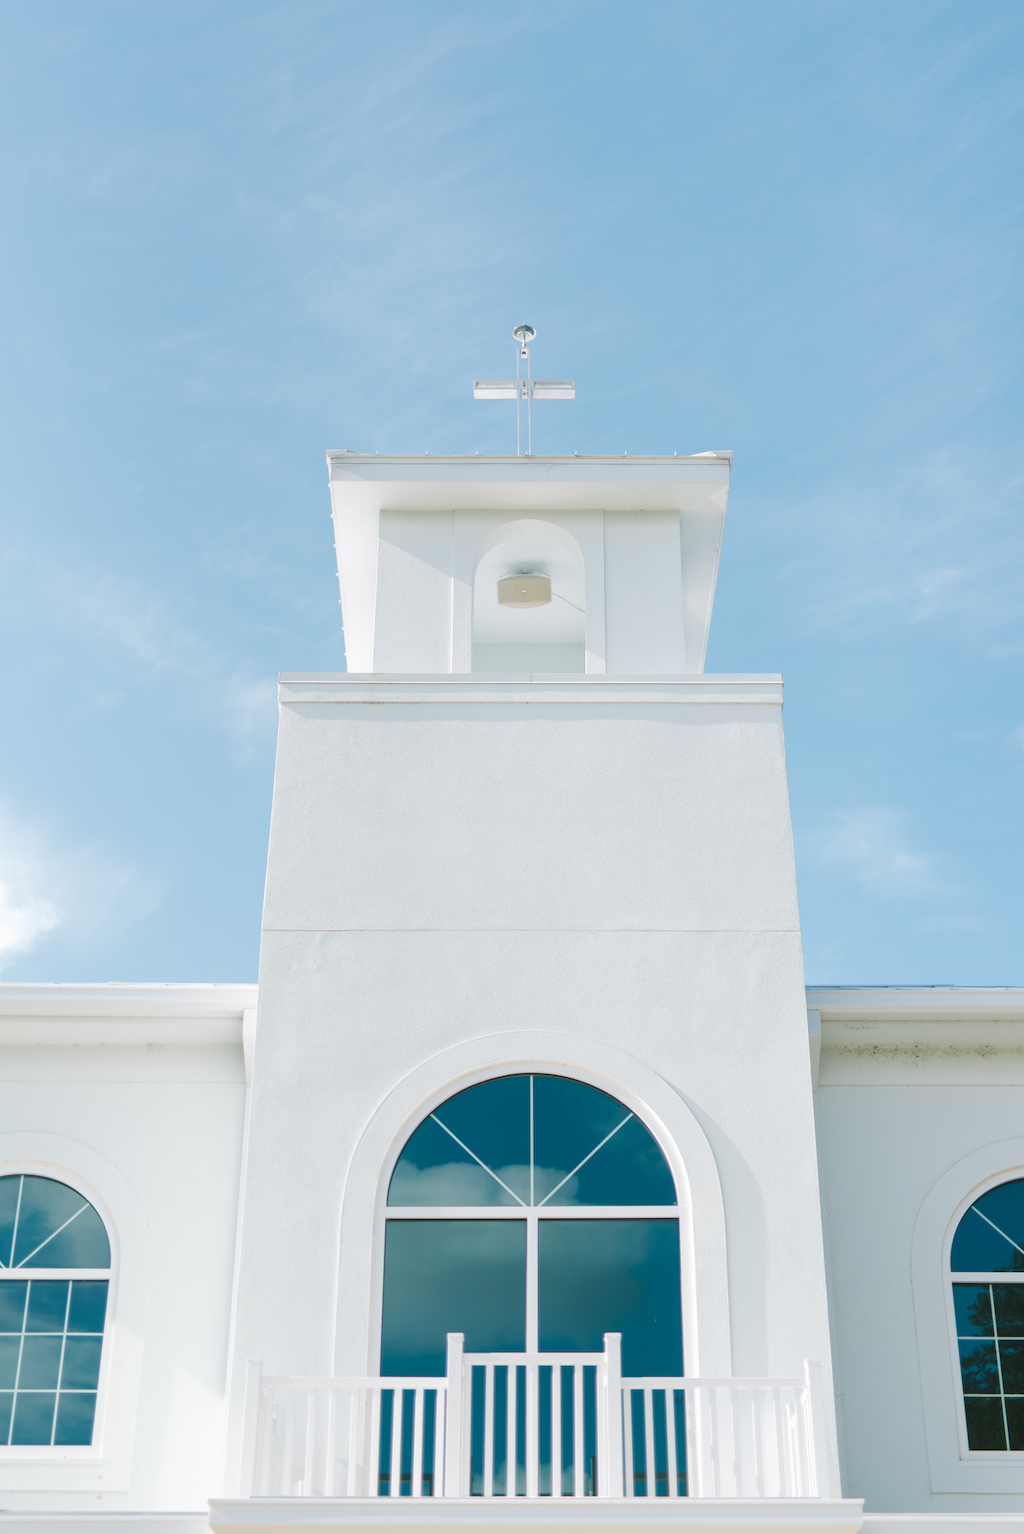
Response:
column 536, row 622
column 532, row 1213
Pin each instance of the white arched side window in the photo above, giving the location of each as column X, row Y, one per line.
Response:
column 986, row 1269
column 54, row 1279
column 533, row 1213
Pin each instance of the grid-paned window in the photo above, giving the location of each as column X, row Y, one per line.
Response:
column 54, row 1274
column 532, row 1213
column 987, row 1264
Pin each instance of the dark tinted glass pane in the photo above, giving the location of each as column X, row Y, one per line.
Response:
column 81, row 1369
column 1009, row 1308
column 45, row 1205
column 978, row 1367
column 33, row 1418
column 1011, row 1362
column 1015, row 1422
column 600, row 1276
column 984, row 1423
column 630, row 1169
column 10, row 1348
column 493, row 1120
column 47, row 1305
column 973, row 1310
column 990, row 1237
column 445, row 1276
column 83, row 1245
column 75, row 1415
column 432, row 1170
column 88, row 1305
column 12, row 1305
column 570, row 1119
column 40, row 1363
column 8, row 1204
column 6, row 1405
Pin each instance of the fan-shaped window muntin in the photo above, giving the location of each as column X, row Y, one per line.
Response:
column 531, row 1141
column 987, row 1270
column 54, row 1276
column 533, row 1213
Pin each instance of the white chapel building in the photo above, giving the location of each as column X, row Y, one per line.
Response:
column 530, row 1186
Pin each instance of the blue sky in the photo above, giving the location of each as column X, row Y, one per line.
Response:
column 236, row 235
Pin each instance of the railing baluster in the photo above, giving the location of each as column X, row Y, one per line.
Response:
column 397, row 1420
column 269, row 1414
column 712, row 1441
column 556, row 1429
column 307, row 1459
column 288, row 1447
column 416, row 1470
column 488, row 1467
column 627, row 1432
column 532, row 1429
column 780, row 1446
column 670, row 1443
column 732, row 1396
column 579, row 1469
column 649, row 1457
column 373, row 1447
column 356, row 1478
column 799, row 1436
column 331, row 1448
column 511, row 1436
column 440, row 1436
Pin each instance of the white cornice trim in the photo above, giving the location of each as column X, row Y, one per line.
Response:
column 116, row 1013
column 538, row 687
column 939, row 1003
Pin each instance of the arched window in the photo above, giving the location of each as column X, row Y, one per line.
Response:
column 54, row 1271
column 987, row 1262
column 533, row 1213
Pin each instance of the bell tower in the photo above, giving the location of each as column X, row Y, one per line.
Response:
column 525, row 834
column 626, row 550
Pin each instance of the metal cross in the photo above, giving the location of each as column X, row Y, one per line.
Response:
column 525, row 388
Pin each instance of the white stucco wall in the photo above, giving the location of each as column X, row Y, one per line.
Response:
column 608, row 862
column 906, row 1098
column 137, row 1097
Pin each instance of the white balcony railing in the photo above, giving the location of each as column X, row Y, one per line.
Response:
column 534, row 1425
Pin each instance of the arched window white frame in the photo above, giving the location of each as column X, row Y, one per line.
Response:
column 54, row 1282
column 532, row 1212
column 363, row 1191
column 986, row 1274
column 953, row 1465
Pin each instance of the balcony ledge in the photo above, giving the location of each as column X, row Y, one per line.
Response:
column 352, row 1515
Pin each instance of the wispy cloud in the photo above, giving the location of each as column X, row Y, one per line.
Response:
column 24, row 917
column 873, row 847
column 138, row 635
column 933, row 546
column 82, row 890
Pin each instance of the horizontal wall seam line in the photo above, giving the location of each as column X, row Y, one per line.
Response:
column 537, row 702
column 547, row 931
